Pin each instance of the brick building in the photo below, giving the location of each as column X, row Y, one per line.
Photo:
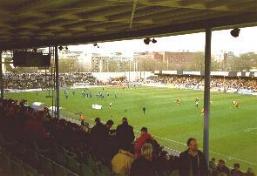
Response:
column 170, row 60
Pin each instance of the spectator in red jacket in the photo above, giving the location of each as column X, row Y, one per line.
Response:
column 141, row 140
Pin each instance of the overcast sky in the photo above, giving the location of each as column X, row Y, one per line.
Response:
column 222, row 41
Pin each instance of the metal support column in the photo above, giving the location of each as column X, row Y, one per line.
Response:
column 207, row 93
column 57, row 82
column 1, row 76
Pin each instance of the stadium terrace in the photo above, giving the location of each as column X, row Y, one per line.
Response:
column 35, row 143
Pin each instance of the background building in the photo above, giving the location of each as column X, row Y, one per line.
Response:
column 169, row 60
column 109, row 63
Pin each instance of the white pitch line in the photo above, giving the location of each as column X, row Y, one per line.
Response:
column 250, row 129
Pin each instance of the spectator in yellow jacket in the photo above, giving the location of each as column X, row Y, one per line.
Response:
column 122, row 161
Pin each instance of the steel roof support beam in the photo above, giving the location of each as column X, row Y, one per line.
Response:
column 207, row 71
column 57, row 85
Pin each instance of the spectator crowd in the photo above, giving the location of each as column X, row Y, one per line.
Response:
column 223, row 83
column 44, row 80
column 117, row 148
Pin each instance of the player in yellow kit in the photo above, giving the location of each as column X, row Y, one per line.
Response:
column 236, row 104
column 178, row 101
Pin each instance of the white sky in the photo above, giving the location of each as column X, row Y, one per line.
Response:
column 222, row 41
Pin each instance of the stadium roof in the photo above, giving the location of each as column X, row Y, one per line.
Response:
column 38, row 23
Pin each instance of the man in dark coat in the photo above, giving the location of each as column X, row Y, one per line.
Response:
column 192, row 161
column 125, row 134
column 98, row 131
column 109, row 143
column 98, row 136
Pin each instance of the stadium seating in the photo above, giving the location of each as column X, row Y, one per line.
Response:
column 47, row 151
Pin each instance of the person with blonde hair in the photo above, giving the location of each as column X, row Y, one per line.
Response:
column 143, row 165
column 147, row 151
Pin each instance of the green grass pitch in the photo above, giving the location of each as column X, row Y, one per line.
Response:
column 233, row 132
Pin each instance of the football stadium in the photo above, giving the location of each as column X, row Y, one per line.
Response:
column 128, row 88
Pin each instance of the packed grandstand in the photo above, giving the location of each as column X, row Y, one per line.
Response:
column 245, row 83
column 57, row 146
